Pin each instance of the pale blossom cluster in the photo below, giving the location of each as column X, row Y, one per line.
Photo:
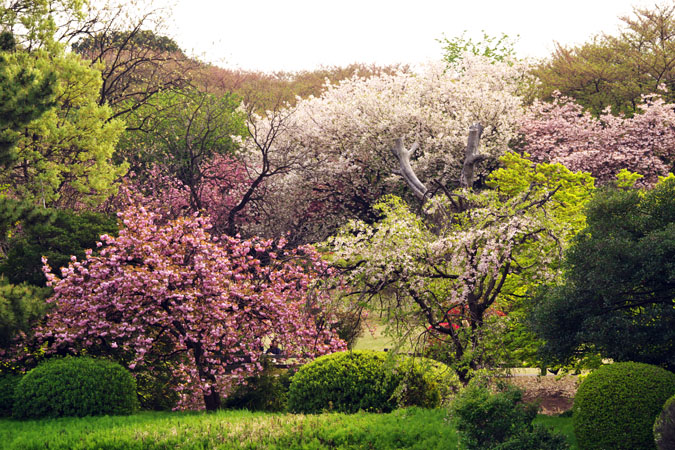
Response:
column 340, row 143
column 467, row 252
column 462, row 263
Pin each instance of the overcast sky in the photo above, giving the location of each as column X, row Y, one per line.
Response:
column 292, row 35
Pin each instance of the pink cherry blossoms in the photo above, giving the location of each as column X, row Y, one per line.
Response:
column 561, row 132
column 171, row 293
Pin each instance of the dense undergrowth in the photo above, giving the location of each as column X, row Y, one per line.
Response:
column 413, row 428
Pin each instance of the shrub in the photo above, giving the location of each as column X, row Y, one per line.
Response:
column 424, row 382
column 664, row 427
column 616, row 405
column 344, row 382
column 499, row 420
column 369, row 381
column 8, row 382
column 268, row 391
column 538, row 438
column 75, row 387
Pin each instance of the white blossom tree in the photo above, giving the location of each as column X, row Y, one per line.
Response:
column 339, row 144
column 443, row 270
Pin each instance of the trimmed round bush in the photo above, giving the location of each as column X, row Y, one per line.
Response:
column 616, row 405
column 8, row 382
column 369, row 381
column 664, row 427
column 75, row 387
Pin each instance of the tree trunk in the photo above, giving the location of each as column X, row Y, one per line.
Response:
column 212, row 399
column 466, row 178
column 471, row 156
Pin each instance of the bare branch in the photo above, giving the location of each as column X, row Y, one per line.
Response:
column 472, row 157
column 403, row 156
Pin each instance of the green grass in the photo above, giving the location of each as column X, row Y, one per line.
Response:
column 412, row 428
column 560, row 424
column 373, row 338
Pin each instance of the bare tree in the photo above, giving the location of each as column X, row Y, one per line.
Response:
column 136, row 61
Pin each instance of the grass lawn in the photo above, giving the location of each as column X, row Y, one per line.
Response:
column 412, row 428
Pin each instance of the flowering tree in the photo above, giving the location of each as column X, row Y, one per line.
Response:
column 223, row 184
column 467, row 251
column 562, row 132
column 336, row 148
column 170, row 294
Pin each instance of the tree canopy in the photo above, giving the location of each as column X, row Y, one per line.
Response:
column 468, row 253
column 617, row 294
column 617, row 70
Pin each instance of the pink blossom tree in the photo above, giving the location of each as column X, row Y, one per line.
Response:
column 562, row 132
column 169, row 293
column 220, row 193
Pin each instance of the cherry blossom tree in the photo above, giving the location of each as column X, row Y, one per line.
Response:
column 561, row 131
column 467, row 252
column 223, row 183
column 336, row 148
column 170, row 294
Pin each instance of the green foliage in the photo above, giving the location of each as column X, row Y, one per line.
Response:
column 75, row 387
column 664, row 426
column 617, row 70
column 539, row 438
column 505, row 341
column 122, row 39
column 37, row 24
column 25, row 95
column 63, row 157
column 424, row 382
column 7, row 41
column 616, row 405
column 68, row 234
column 617, row 296
column 180, row 131
column 489, row 420
column 8, row 383
column 267, row 391
column 349, row 324
column 14, row 211
column 157, row 389
column 495, row 48
column 368, row 381
column 21, row 307
column 56, row 141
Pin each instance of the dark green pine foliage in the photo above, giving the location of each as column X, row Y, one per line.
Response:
column 67, row 234
column 21, row 307
column 13, row 212
column 618, row 293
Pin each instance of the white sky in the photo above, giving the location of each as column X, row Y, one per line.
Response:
column 293, row 35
